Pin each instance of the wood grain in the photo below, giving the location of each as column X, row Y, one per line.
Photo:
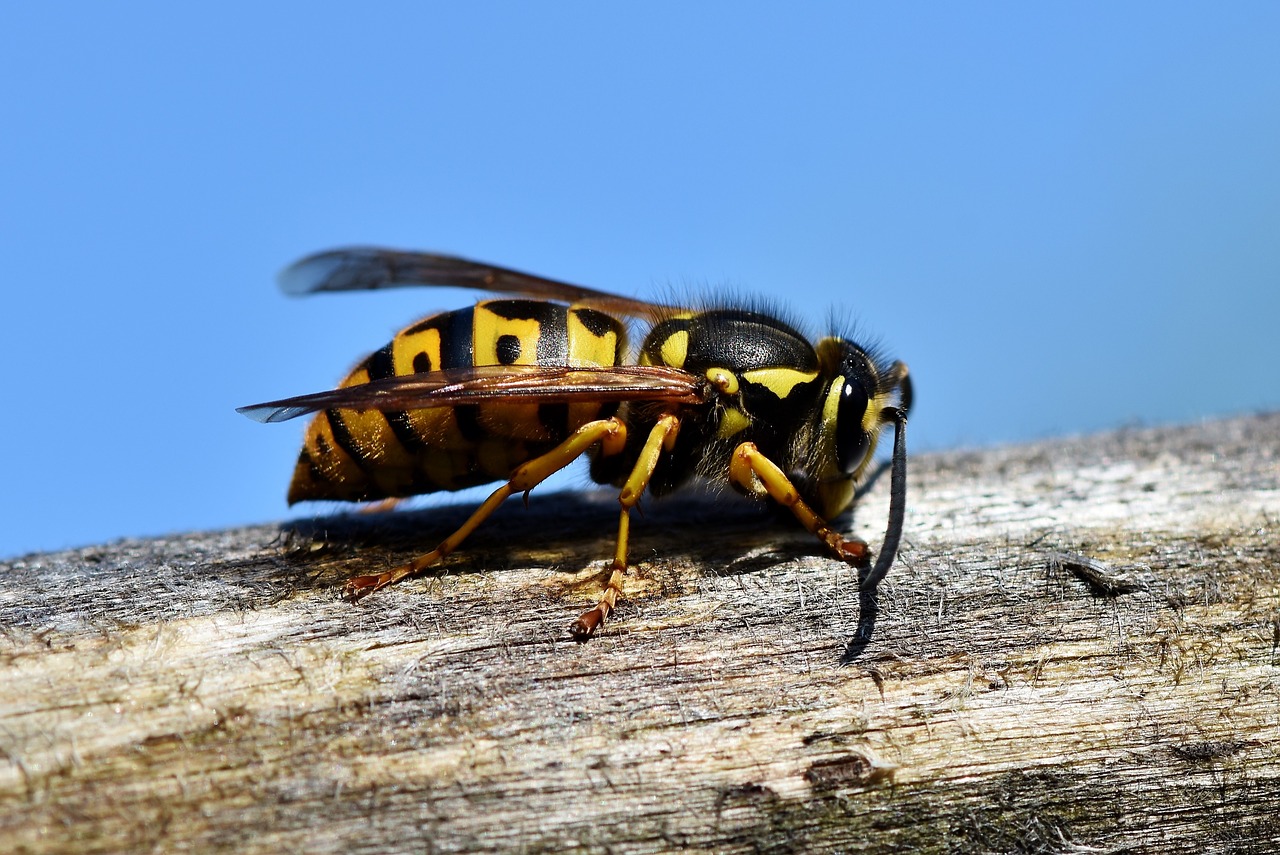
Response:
column 1079, row 650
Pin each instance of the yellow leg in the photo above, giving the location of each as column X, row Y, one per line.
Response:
column 751, row 470
column 610, row 433
column 661, row 438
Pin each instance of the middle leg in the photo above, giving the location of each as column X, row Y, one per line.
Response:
column 661, row 438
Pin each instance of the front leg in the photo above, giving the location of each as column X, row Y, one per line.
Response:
column 756, row 474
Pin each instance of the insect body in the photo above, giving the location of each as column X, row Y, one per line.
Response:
column 515, row 389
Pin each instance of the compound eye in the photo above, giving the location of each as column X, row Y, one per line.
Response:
column 851, row 439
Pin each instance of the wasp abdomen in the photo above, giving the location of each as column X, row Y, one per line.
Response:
column 363, row 455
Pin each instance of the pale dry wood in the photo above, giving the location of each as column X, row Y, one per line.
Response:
column 1079, row 650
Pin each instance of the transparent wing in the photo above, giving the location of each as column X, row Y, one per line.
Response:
column 369, row 268
column 516, row 383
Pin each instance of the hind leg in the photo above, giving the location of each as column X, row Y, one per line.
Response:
column 611, row 433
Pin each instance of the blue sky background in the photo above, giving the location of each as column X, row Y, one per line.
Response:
column 1065, row 217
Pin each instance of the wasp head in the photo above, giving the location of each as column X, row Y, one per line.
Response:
column 864, row 393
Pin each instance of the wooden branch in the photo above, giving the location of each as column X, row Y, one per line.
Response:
column 1079, row 650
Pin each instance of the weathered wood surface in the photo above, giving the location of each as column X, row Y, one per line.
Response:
column 1079, row 650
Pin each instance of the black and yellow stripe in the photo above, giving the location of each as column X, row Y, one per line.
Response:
column 366, row 455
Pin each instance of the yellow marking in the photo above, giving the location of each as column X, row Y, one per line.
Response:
column 405, row 348
column 779, row 381
column 375, row 444
column 831, row 407
column 338, row 466
column 358, row 377
column 305, row 484
column 515, row 421
column 586, row 348
column 871, row 418
column 378, row 446
column 733, row 421
column 678, row 342
column 675, row 348
column 724, row 380
column 439, row 429
column 488, row 327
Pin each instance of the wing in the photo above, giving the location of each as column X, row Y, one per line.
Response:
column 527, row 383
column 369, row 268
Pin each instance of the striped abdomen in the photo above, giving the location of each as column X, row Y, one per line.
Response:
column 366, row 455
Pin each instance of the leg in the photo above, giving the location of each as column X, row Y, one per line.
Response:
column 611, row 433
column 753, row 472
column 661, row 438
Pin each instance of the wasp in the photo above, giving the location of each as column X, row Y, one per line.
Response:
column 512, row 390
